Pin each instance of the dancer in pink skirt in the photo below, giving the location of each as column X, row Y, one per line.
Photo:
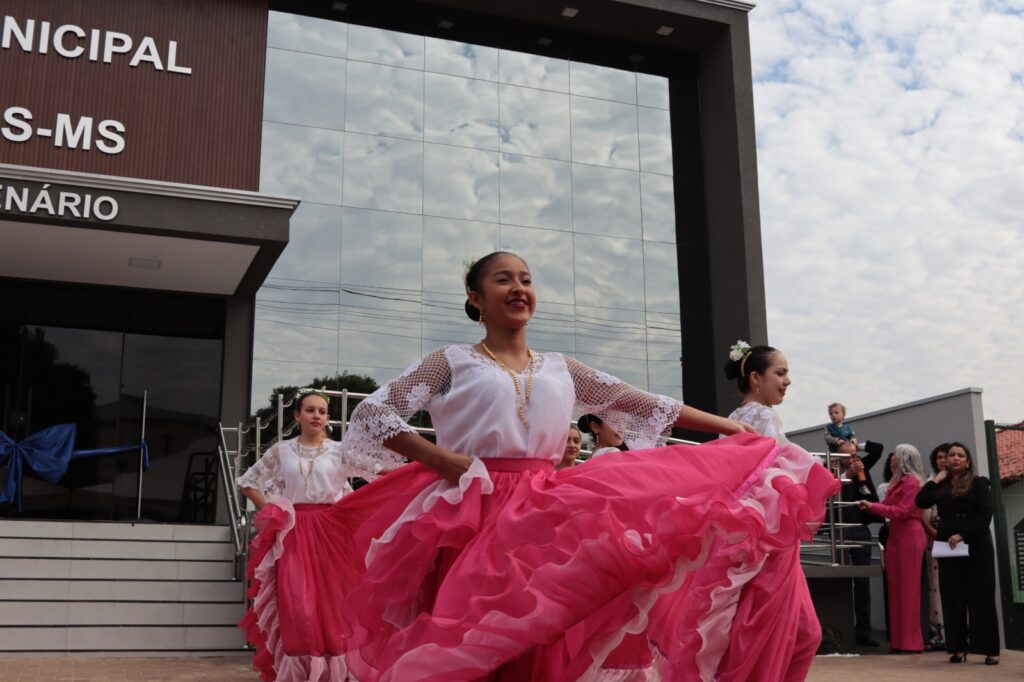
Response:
column 774, row 632
column 476, row 562
column 294, row 485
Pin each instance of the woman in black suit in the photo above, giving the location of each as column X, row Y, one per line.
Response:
column 967, row 584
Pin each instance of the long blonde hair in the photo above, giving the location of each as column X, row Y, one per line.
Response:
column 962, row 483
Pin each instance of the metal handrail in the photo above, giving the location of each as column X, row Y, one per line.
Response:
column 237, row 520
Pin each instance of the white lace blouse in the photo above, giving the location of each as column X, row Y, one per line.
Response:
column 762, row 418
column 473, row 406
column 322, row 479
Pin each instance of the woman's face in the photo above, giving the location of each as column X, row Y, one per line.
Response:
column 957, row 461
column 894, row 466
column 940, row 460
column 607, row 435
column 506, row 295
column 774, row 381
column 312, row 415
column 572, row 448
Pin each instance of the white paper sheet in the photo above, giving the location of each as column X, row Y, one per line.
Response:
column 942, row 550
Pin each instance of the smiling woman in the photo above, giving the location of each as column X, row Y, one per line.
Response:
column 452, row 567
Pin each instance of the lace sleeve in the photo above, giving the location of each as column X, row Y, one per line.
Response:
column 385, row 413
column 767, row 423
column 643, row 419
column 264, row 475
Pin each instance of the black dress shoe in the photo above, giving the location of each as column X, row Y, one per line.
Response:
column 866, row 641
column 957, row 658
column 991, row 660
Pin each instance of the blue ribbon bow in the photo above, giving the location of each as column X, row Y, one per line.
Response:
column 47, row 453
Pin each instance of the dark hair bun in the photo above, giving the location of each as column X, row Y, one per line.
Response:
column 732, row 369
column 586, row 423
column 472, row 311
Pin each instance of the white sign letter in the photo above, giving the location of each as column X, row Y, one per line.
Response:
column 58, row 41
column 16, row 118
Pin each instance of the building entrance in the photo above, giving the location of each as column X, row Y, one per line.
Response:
column 86, row 356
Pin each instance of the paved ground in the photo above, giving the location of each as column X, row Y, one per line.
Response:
column 931, row 667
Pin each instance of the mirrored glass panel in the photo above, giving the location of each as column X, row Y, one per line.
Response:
column 536, row 192
column 384, row 100
column 380, row 328
column 384, row 344
column 447, row 246
column 659, row 207
column 535, row 122
column 445, row 321
column 301, row 162
column 604, row 133
column 383, row 173
column 549, row 255
column 655, row 140
column 552, row 327
column 606, row 201
column 460, row 183
column 601, row 82
column 461, row 111
column 652, row 91
column 534, row 71
column 314, row 245
column 609, row 272
column 661, row 277
column 307, row 34
column 451, row 151
column 462, row 59
column 305, row 89
column 296, row 322
column 613, row 341
column 382, row 249
column 380, row 46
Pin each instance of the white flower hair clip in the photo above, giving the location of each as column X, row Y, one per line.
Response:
column 738, row 350
column 315, row 391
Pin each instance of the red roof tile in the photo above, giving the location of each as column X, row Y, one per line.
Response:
column 1010, row 444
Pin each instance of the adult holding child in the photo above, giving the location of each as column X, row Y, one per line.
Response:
column 466, row 561
column 967, row 583
column 904, row 549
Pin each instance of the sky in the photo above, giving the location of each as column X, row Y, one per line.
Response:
column 890, row 139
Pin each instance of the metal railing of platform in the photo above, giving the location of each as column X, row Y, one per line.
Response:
column 828, row 547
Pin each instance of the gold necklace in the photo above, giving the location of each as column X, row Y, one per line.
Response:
column 312, row 461
column 521, row 397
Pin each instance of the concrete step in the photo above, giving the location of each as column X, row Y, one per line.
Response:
column 76, row 548
column 115, row 569
column 21, row 589
column 105, row 530
column 68, row 587
column 124, row 614
column 157, row 638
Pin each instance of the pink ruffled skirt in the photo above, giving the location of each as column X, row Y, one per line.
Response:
column 681, row 562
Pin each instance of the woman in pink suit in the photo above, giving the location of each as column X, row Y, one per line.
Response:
column 904, row 551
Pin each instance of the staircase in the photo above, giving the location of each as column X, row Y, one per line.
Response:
column 79, row 588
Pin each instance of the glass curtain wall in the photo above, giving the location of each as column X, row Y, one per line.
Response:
column 413, row 155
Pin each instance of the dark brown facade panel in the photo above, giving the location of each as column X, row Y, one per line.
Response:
column 203, row 128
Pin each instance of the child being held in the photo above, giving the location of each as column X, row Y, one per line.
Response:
column 840, row 438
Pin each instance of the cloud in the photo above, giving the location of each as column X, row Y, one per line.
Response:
column 891, row 168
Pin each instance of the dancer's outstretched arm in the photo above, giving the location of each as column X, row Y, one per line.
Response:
column 698, row 420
